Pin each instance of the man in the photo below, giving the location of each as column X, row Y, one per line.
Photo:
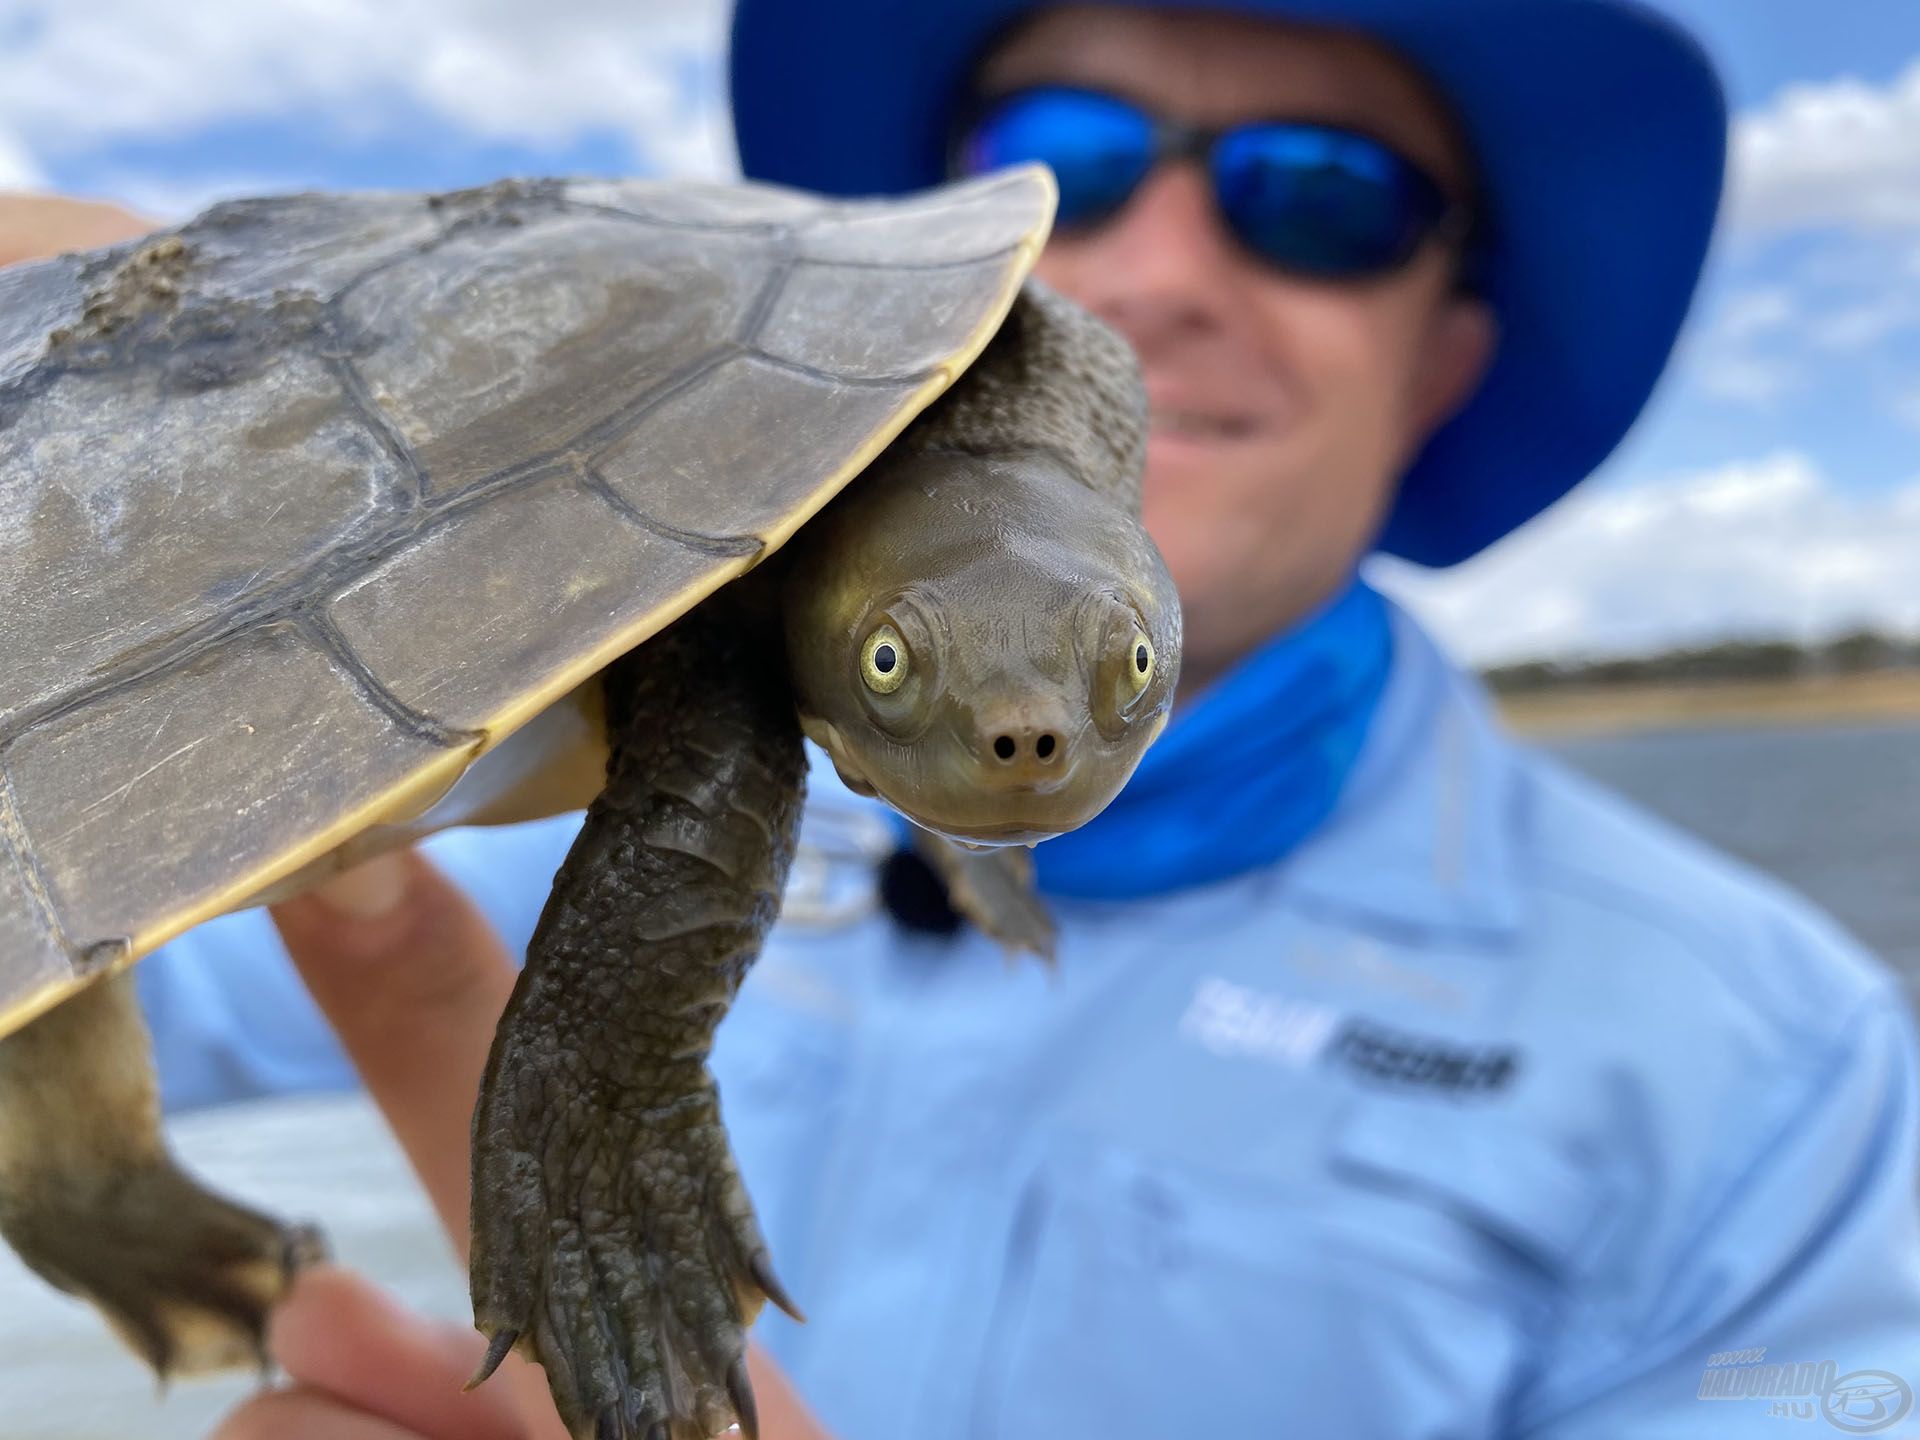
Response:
column 1393, row 1083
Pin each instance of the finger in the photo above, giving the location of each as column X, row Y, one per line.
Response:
column 297, row 1413
column 33, row 226
column 783, row 1416
column 339, row 1334
column 413, row 979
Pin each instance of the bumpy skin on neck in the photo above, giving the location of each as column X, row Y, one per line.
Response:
column 1054, row 379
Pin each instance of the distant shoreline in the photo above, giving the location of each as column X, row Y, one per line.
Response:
column 1574, row 710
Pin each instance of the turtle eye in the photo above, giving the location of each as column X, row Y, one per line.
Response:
column 1123, row 665
column 1139, row 669
column 883, row 660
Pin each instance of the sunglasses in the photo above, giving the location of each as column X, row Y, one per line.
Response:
column 1308, row 199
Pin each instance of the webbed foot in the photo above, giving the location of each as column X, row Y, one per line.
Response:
column 93, row 1202
column 623, row 1256
column 185, row 1277
column 993, row 890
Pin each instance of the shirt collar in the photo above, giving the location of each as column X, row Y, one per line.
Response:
column 1424, row 835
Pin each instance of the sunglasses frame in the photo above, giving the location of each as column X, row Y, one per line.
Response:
column 1454, row 224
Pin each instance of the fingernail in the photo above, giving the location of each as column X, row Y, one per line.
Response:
column 370, row 889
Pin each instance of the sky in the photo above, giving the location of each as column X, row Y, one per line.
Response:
column 1772, row 488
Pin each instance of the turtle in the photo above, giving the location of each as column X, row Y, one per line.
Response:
column 331, row 520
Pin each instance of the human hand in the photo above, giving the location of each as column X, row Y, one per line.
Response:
column 35, row 226
column 413, row 980
column 363, row 1367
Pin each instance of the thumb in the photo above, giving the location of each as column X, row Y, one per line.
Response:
column 413, row 979
column 33, row 226
column 337, row 1333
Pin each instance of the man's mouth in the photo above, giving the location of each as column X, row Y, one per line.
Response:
column 1198, row 425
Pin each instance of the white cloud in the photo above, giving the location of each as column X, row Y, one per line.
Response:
column 168, row 198
column 1745, row 379
column 1759, row 548
column 1843, row 299
column 1753, row 313
column 1839, row 153
column 1848, row 328
column 1906, row 409
column 1735, row 355
column 1839, row 161
column 18, row 169
column 75, row 76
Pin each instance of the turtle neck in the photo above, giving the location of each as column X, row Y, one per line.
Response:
column 1246, row 770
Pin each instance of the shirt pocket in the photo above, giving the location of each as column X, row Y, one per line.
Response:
column 1383, row 1295
column 1523, row 1204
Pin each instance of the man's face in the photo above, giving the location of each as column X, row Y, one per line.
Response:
column 1284, row 409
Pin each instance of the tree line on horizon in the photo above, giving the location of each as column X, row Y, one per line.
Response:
column 1853, row 653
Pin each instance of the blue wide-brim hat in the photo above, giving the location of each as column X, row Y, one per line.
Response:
column 1599, row 128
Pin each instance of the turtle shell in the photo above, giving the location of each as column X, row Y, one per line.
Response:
column 309, row 505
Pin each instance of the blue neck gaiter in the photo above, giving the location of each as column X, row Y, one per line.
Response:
column 1245, row 771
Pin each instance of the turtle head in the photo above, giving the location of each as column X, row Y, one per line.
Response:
column 984, row 641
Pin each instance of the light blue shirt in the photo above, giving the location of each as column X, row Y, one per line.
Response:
column 229, row 1016
column 1496, row 1109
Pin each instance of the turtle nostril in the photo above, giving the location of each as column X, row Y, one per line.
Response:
column 1020, row 747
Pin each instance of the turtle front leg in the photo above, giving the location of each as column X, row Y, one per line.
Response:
column 993, row 889
column 612, row 1238
column 95, row 1205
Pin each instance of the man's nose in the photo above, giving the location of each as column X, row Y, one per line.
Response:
column 1164, row 264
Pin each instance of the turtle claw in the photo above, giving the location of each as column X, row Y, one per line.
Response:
column 497, row 1349
column 626, row 1260
column 740, row 1392
column 760, row 1269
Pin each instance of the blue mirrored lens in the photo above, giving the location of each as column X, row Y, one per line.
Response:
column 1322, row 202
column 1099, row 148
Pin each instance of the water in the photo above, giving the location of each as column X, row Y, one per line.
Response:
column 1833, row 810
